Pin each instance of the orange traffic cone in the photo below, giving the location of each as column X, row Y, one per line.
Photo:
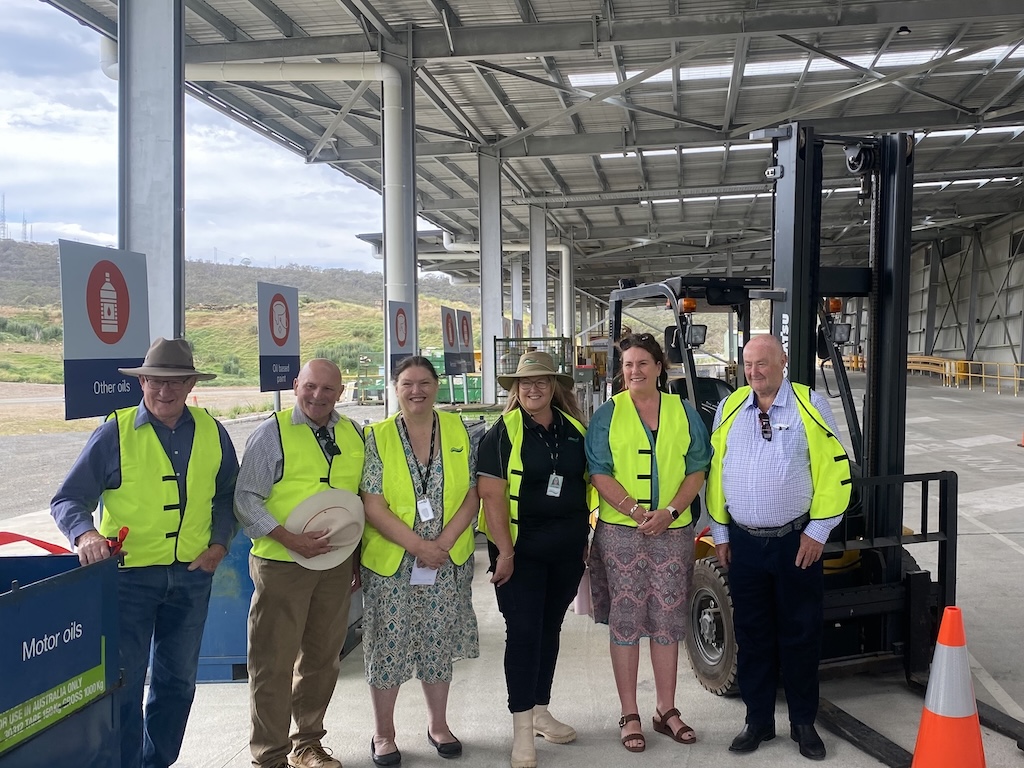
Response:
column 950, row 734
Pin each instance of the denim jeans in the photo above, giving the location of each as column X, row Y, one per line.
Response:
column 162, row 610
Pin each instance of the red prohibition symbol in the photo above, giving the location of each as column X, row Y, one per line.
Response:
column 449, row 330
column 401, row 327
column 280, row 320
column 107, row 302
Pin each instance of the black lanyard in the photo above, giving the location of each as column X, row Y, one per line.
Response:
column 548, row 437
column 424, row 476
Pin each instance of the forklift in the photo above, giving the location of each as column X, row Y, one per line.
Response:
column 881, row 610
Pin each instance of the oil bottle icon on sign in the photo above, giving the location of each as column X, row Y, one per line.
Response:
column 108, row 306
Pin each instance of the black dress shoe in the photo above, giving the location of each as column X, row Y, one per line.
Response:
column 389, row 760
column 751, row 736
column 811, row 745
column 448, row 749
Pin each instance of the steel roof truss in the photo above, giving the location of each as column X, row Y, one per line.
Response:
column 857, row 90
column 337, row 121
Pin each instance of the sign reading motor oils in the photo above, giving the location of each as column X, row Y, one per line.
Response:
column 105, row 301
column 54, row 647
column 278, row 308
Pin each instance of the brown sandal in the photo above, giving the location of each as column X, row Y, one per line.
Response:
column 634, row 737
column 661, row 726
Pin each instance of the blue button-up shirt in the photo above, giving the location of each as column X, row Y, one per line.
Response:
column 98, row 469
column 767, row 483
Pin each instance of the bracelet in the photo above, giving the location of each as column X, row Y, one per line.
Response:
column 624, row 500
column 507, row 557
column 634, row 508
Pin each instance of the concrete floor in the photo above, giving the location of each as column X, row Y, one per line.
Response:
column 972, row 433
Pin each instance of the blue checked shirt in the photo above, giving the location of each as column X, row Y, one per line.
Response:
column 767, row 483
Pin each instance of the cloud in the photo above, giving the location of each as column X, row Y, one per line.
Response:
column 244, row 196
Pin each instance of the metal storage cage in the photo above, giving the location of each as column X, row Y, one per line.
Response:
column 508, row 351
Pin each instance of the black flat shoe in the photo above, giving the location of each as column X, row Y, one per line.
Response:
column 751, row 736
column 811, row 745
column 448, row 750
column 390, row 759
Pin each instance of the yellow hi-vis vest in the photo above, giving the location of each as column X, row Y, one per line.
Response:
column 306, row 471
column 383, row 556
column 830, row 466
column 514, row 424
column 147, row 502
column 634, row 460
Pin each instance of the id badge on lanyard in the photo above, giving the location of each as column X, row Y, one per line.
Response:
column 555, row 485
column 424, row 510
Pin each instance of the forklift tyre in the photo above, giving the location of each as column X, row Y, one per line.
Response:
column 710, row 637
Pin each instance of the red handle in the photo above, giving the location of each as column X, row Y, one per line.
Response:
column 115, row 546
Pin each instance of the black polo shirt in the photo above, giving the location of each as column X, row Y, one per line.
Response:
column 550, row 527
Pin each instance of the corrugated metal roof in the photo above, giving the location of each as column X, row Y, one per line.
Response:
column 716, row 198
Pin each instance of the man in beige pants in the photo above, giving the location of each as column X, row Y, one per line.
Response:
column 298, row 618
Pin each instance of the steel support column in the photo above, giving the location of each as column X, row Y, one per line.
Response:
column 516, row 278
column 568, row 297
column 934, row 264
column 151, row 169
column 400, row 223
column 971, row 342
column 538, row 272
column 489, row 168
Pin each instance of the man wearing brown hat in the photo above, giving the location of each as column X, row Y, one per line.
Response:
column 301, row 571
column 166, row 475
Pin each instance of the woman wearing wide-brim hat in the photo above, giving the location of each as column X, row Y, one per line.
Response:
column 532, row 480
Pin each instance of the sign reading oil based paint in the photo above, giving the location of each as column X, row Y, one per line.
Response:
column 278, row 324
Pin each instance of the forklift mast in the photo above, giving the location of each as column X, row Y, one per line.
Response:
column 885, row 168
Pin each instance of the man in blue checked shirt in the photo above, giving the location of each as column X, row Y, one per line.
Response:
column 779, row 483
column 166, row 474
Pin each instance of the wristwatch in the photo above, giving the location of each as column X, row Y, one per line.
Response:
column 672, row 511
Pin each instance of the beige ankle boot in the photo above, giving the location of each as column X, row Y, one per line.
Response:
column 524, row 753
column 552, row 730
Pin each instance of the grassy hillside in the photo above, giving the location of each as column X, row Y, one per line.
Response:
column 340, row 314
column 31, row 278
column 225, row 340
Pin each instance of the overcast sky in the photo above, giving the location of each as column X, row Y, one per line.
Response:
column 244, row 196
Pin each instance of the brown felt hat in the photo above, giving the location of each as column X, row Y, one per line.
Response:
column 168, row 357
column 534, row 364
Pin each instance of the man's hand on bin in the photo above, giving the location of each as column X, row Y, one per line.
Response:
column 92, row 547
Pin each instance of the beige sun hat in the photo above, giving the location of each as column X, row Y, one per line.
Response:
column 534, row 364
column 338, row 511
column 168, row 357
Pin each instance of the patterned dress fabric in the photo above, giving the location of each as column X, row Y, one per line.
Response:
column 416, row 631
column 649, row 577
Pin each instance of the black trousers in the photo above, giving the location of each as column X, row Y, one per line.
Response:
column 777, row 612
column 533, row 603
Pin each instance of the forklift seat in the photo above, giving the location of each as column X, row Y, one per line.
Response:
column 710, row 392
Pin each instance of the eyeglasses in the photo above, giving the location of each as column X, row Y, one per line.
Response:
column 175, row 385
column 766, row 426
column 324, row 436
column 539, row 384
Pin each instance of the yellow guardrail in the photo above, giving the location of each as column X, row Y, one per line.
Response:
column 1001, row 377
